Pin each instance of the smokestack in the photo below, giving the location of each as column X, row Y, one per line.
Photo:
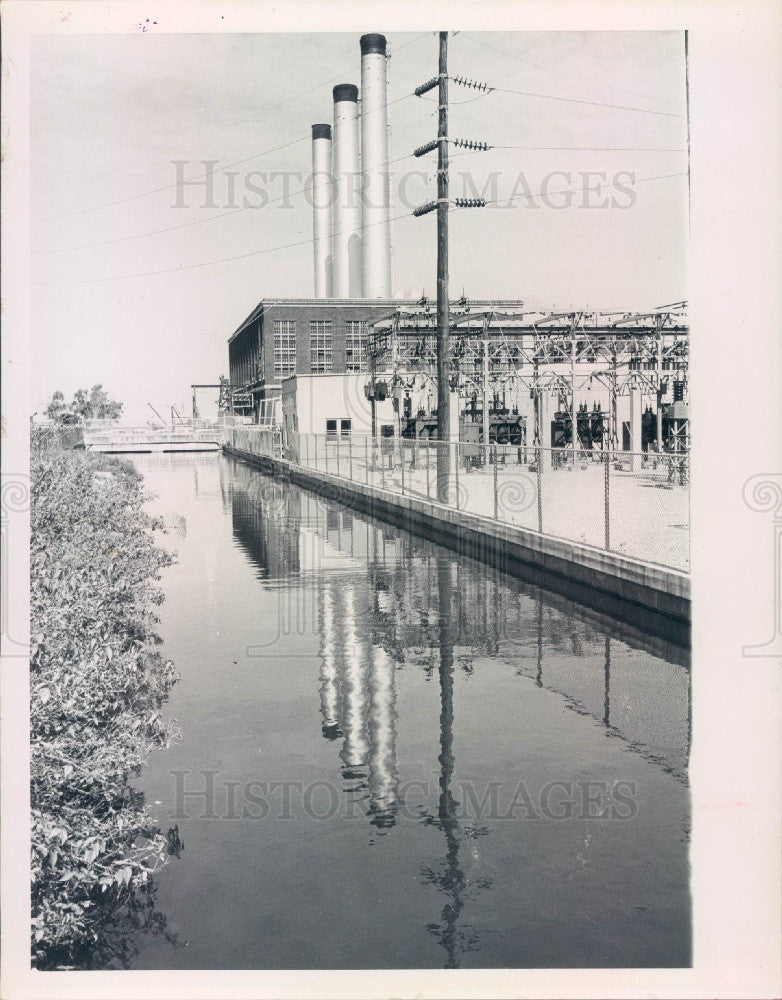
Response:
column 346, row 263
column 374, row 153
column 321, row 208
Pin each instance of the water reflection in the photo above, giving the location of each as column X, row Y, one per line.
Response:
column 329, row 690
column 449, row 876
column 357, row 688
column 381, row 607
column 355, row 696
column 388, row 601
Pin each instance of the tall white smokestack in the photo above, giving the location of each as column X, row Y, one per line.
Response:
column 374, row 154
column 321, row 208
column 346, row 262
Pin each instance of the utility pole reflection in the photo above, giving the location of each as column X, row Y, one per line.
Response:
column 449, row 876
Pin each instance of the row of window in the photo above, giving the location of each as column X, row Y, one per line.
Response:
column 320, row 346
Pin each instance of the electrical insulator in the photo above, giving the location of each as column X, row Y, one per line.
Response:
column 470, row 203
column 471, row 144
column 474, row 84
column 430, row 206
column 426, row 148
column 425, row 87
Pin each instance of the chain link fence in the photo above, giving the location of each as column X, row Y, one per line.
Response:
column 633, row 503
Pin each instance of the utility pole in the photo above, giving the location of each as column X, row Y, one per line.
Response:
column 443, row 305
column 442, row 206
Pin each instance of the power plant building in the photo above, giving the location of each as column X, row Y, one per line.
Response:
column 549, row 378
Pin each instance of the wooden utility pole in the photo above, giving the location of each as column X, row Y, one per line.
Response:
column 443, row 312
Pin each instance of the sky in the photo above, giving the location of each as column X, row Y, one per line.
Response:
column 149, row 309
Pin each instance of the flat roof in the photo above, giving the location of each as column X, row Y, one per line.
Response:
column 358, row 304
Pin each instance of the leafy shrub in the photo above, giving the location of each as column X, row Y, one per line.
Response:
column 97, row 686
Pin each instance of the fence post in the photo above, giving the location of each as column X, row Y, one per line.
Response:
column 402, row 462
column 315, row 440
column 366, row 459
column 307, row 449
column 428, row 491
column 458, row 456
column 382, row 464
column 496, row 495
column 607, row 496
column 539, row 476
column 326, row 452
column 350, row 458
column 339, row 435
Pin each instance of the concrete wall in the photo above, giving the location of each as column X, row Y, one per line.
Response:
column 648, row 596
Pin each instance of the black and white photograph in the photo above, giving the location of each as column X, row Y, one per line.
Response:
column 358, row 428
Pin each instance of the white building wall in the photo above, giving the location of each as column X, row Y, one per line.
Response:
column 310, row 400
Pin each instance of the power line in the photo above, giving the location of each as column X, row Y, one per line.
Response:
column 317, row 86
column 596, row 149
column 597, row 188
column 263, row 111
column 298, row 243
column 208, row 263
column 595, row 104
column 548, row 69
column 198, row 222
column 225, row 166
column 168, row 187
column 199, row 177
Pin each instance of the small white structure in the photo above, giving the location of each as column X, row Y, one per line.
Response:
column 334, row 404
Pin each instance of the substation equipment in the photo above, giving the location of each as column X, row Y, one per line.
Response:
column 524, row 377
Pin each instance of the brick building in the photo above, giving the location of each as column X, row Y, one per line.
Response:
column 284, row 337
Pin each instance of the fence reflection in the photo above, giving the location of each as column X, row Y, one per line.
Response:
column 377, row 608
column 386, row 599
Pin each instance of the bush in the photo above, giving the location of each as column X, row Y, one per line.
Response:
column 97, row 686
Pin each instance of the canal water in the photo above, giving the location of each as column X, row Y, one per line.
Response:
column 392, row 756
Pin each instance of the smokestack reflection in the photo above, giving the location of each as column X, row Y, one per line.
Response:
column 329, row 691
column 355, row 749
column 383, row 773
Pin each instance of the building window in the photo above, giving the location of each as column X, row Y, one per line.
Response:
column 355, row 346
column 320, row 346
column 344, row 428
column 331, row 428
column 284, row 347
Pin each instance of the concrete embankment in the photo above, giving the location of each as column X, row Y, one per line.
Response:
column 650, row 596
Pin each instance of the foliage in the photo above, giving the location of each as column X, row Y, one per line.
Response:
column 87, row 404
column 97, row 686
column 55, row 436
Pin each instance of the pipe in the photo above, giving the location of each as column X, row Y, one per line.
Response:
column 346, row 249
column 321, row 209
column 375, row 181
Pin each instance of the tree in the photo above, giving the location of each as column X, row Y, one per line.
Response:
column 57, row 408
column 87, row 404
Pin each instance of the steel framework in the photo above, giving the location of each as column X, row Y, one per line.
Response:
column 495, row 350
